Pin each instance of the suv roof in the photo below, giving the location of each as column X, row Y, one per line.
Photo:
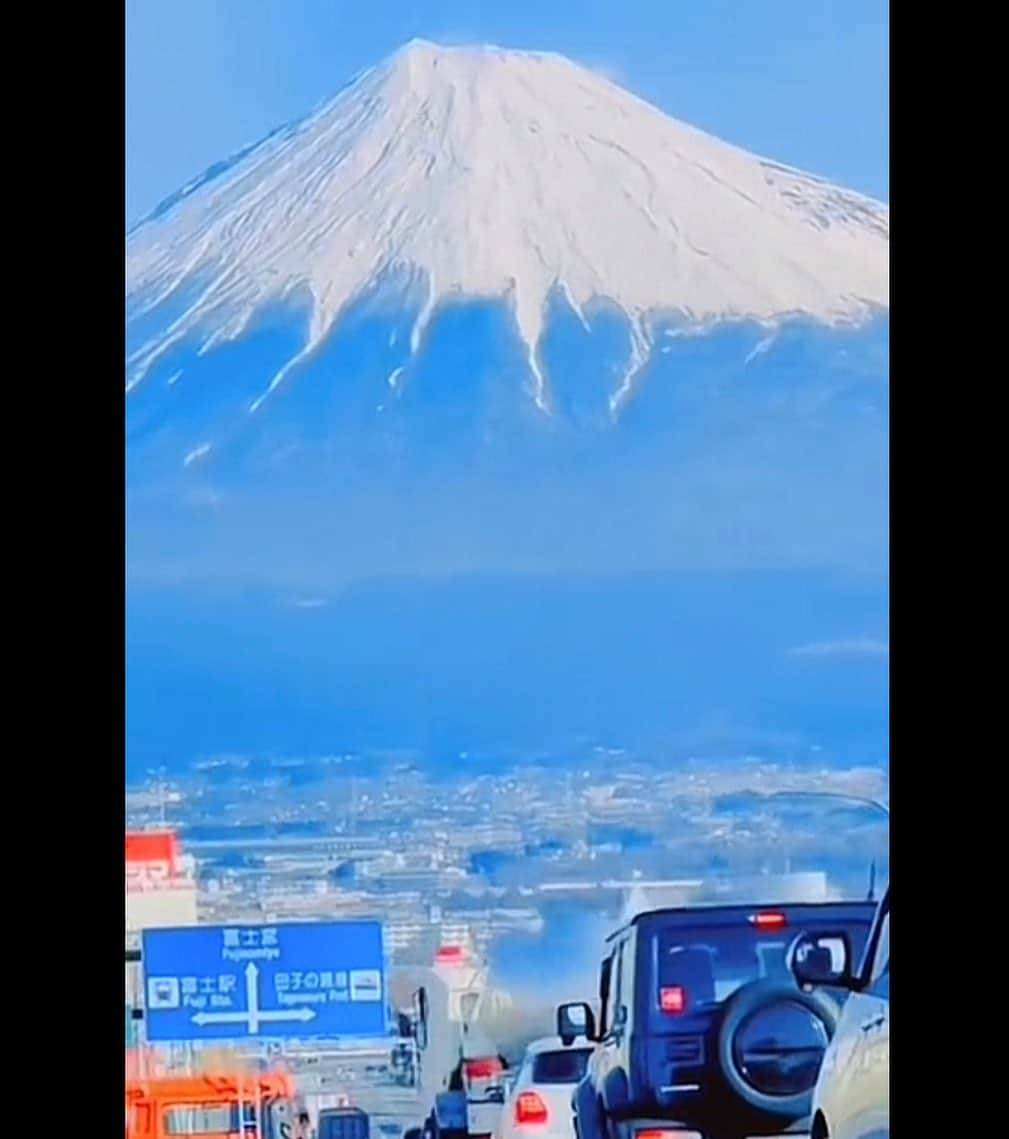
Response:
column 713, row 915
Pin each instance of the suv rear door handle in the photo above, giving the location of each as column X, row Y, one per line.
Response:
column 876, row 1022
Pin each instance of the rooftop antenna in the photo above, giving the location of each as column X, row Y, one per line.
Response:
column 872, row 881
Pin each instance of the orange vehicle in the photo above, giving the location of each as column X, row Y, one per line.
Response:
column 235, row 1105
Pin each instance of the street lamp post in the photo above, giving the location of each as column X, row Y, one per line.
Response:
column 844, row 796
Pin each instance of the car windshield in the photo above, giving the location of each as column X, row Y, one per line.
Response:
column 710, row 963
column 563, row 1067
column 207, row 1118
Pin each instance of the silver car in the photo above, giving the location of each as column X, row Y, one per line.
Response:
column 852, row 1095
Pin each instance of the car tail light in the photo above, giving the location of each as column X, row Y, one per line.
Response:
column 769, row 919
column 483, row 1068
column 662, row 1133
column 529, row 1108
column 672, row 999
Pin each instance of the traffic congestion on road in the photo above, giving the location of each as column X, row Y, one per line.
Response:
column 715, row 1023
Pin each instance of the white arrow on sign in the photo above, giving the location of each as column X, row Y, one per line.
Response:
column 254, row 1016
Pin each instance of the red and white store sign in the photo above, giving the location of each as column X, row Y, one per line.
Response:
column 152, row 858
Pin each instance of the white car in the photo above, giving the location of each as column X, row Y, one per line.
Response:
column 538, row 1105
column 852, row 1095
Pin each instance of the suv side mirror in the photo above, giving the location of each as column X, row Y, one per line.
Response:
column 573, row 1020
column 821, row 959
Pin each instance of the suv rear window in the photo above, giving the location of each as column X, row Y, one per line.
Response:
column 710, row 964
column 565, row 1067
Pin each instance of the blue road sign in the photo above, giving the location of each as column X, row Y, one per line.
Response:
column 288, row 980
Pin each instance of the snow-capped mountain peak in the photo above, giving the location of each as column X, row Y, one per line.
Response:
column 486, row 173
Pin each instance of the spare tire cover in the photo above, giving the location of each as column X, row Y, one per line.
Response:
column 771, row 1043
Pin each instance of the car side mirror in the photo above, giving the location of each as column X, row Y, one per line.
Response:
column 573, row 1020
column 822, row 959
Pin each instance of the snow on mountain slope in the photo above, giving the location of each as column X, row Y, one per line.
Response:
column 483, row 173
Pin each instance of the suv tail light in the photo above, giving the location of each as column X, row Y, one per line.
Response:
column 482, row 1069
column 662, row 1133
column 672, row 999
column 769, row 919
column 530, row 1108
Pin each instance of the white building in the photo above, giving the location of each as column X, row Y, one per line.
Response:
column 161, row 887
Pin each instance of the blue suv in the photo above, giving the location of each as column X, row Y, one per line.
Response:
column 702, row 1028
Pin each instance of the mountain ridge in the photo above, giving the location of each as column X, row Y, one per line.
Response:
column 450, row 173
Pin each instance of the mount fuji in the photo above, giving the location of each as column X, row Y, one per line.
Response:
column 485, row 312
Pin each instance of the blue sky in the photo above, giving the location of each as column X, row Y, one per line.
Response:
column 803, row 81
